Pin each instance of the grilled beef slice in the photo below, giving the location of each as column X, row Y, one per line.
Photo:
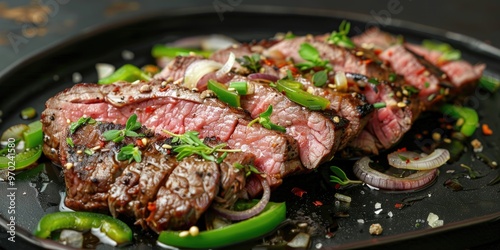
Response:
column 317, row 133
column 423, row 68
column 159, row 191
column 385, row 126
column 172, row 108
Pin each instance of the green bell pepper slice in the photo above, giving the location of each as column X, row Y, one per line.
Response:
column 160, row 50
column 269, row 219
column 33, row 136
column 128, row 73
column 115, row 229
column 293, row 90
column 230, row 97
column 470, row 117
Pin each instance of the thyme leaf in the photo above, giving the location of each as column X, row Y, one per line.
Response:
column 265, row 120
column 117, row 135
column 189, row 144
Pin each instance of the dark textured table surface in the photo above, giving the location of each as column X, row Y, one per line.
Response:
column 29, row 27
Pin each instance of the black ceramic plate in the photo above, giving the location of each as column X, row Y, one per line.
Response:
column 470, row 217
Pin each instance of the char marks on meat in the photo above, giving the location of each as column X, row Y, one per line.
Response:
column 159, row 191
column 175, row 109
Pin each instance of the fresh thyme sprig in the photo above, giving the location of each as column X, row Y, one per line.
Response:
column 250, row 62
column 189, row 143
column 130, row 152
column 265, row 120
column 117, row 135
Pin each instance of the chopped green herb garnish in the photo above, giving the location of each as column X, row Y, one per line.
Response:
column 312, row 57
column 392, row 77
column 189, row 144
column 82, row 121
column 88, row 151
column 249, row 169
column 448, row 52
column 411, row 89
column 403, row 158
column 130, row 153
column 489, row 83
column 250, row 62
column 373, row 80
column 69, row 141
column 265, row 120
column 427, row 85
column 379, row 105
column 320, row 78
column 118, row 135
column 341, row 37
column 340, row 177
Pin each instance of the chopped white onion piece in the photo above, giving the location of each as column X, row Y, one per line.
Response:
column 217, row 42
column 197, row 70
column 434, row 221
column 226, row 67
column 104, row 70
column 301, row 240
column 340, row 81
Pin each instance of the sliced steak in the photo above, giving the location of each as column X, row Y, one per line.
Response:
column 317, row 133
column 173, row 108
column 351, row 106
column 159, row 191
column 423, row 68
column 355, row 60
column 187, row 193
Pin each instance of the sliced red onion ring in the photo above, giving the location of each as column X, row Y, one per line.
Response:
column 262, row 77
column 197, row 70
column 245, row 214
column 415, row 161
column 380, row 180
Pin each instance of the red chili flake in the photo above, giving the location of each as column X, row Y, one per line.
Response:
column 337, row 186
column 403, row 149
column 139, row 143
column 408, row 161
column 399, row 205
column 131, row 99
column 298, row 192
column 151, row 206
column 318, row 203
column 149, row 110
column 486, row 129
column 102, row 144
column 377, row 51
column 268, row 62
column 367, row 61
column 116, row 89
